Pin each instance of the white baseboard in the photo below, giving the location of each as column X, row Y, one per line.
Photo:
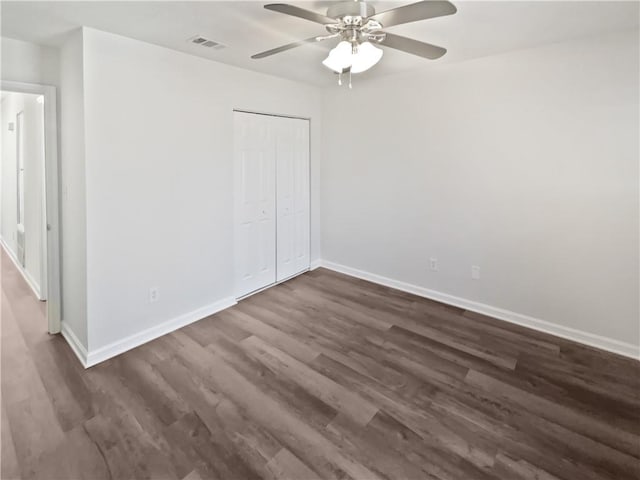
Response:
column 315, row 264
column 116, row 348
column 91, row 358
column 27, row 277
column 74, row 343
column 593, row 340
column 35, row 286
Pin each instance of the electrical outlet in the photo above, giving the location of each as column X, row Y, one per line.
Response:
column 475, row 272
column 153, row 295
column 433, row 264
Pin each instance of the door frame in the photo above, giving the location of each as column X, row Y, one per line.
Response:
column 283, row 115
column 50, row 228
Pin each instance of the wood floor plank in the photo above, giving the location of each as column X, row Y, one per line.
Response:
column 156, row 393
column 613, row 397
column 435, row 460
column 421, row 329
column 416, row 344
column 298, row 401
column 398, row 311
column 252, row 442
column 69, row 395
column 420, row 420
column 515, row 469
column 531, row 438
column 333, row 341
column 30, row 415
column 371, row 449
column 191, row 388
column 122, row 443
column 254, row 445
column 35, row 431
column 275, row 337
column 9, row 466
column 485, row 331
column 616, row 438
column 193, row 475
column 83, row 458
column 330, row 337
column 286, row 466
column 333, row 302
column 210, row 450
column 304, row 441
column 327, row 390
column 323, row 376
column 20, row 379
column 476, row 350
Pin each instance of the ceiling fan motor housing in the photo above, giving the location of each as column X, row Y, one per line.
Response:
column 353, row 25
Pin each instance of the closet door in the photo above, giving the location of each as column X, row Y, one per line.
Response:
column 255, row 202
column 292, row 191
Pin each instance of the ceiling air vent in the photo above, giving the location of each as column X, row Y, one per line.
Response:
column 205, row 42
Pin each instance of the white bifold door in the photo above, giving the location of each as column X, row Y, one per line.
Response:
column 271, row 156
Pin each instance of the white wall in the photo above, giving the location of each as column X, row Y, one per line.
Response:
column 28, row 63
column 33, row 118
column 11, row 105
column 72, row 188
column 159, row 163
column 525, row 164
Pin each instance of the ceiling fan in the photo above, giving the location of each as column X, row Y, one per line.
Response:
column 359, row 28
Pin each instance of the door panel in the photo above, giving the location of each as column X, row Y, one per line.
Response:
column 255, row 212
column 292, row 166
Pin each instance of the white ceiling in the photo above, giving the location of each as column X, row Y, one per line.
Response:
column 478, row 29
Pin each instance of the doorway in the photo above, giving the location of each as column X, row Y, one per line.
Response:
column 29, row 190
column 272, row 219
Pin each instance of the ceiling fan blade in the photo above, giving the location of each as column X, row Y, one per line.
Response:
column 283, row 48
column 300, row 13
column 414, row 12
column 415, row 47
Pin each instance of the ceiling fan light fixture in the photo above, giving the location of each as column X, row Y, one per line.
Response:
column 360, row 27
column 365, row 58
column 339, row 58
column 343, row 58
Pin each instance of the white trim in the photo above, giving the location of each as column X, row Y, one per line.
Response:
column 74, row 343
column 50, row 228
column 315, row 264
column 271, row 285
column 27, row 277
column 34, row 285
column 120, row 346
column 267, row 114
column 593, row 340
column 290, row 277
column 255, row 292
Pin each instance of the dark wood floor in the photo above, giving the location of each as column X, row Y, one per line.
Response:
column 324, row 376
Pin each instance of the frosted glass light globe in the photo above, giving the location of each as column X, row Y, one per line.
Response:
column 365, row 58
column 339, row 58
